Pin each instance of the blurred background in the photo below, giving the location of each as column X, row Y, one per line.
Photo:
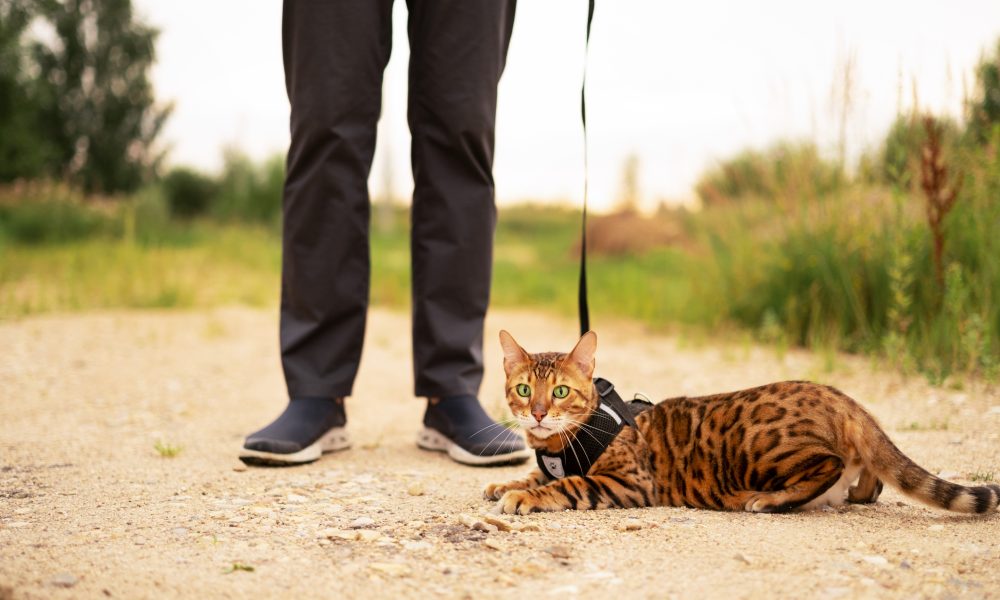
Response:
column 776, row 171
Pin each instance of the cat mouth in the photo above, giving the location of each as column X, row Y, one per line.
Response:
column 541, row 431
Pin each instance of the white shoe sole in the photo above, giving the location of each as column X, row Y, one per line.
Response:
column 331, row 441
column 430, row 439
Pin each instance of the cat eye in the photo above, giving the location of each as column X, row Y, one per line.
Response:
column 561, row 391
column 523, row 390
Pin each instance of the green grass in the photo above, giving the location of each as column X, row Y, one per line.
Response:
column 982, row 476
column 166, row 449
column 933, row 425
column 214, row 265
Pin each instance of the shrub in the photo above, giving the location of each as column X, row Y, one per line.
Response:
column 188, row 192
column 983, row 109
column 898, row 160
column 248, row 191
column 787, row 171
column 43, row 214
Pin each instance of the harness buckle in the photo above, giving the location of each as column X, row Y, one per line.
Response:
column 606, row 391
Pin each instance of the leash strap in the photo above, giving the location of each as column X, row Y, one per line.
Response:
column 584, row 308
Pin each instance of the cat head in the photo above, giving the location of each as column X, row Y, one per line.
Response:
column 551, row 394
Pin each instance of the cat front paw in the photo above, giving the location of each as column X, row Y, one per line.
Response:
column 495, row 491
column 517, row 502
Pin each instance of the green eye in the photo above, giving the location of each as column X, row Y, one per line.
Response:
column 561, row 391
column 523, row 390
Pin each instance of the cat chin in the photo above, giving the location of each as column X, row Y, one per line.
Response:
column 541, row 433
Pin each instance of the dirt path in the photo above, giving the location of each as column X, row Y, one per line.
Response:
column 88, row 508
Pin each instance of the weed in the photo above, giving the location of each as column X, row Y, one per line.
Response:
column 166, row 450
column 238, row 566
column 940, row 189
column 932, row 425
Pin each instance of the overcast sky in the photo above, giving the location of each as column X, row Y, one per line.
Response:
column 680, row 84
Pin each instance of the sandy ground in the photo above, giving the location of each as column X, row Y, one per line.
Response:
column 88, row 508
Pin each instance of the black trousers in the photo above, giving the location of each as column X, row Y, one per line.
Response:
column 335, row 52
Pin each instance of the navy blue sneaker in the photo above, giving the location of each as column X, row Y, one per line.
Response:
column 459, row 426
column 301, row 434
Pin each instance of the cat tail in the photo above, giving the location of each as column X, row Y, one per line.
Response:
column 888, row 463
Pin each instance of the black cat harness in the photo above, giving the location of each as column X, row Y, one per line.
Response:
column 605, row 423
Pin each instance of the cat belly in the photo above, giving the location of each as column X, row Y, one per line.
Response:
column 836, row 495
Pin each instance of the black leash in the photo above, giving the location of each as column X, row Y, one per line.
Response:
column 584, row 308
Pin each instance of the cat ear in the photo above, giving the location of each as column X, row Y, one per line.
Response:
column 513, row 354
column 583, row 353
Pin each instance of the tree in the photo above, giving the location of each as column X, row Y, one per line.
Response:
column 22, row 153
column 984, row 106
column 95, row 96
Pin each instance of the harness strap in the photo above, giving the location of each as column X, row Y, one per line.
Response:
column 584, row 308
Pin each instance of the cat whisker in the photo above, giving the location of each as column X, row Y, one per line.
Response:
column 584, row 427
column 568, row 442
column 485, row 428
column 502, row 431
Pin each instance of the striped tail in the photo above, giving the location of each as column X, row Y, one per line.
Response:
column 890, row 465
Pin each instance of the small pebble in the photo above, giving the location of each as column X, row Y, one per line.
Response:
column 415, row 546
column 367, row 535
column 499, row 523
column 240, row 468
column 874, row 559
column 296, row 498
column 66, row 580
column 494, row 545
column 415, row 489
column 558, row 551
column 630, row 524
column 393, row 569
column 362, row 522
column 477, row 524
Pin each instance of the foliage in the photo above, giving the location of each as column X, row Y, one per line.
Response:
column 898, row 158
column 940, row 188
column 189, row 193
column 50, row 214
column 784, row 173
column 166, row 449
column 77, row 103
column 984, row 107
column 23, row 154
column 249, row 192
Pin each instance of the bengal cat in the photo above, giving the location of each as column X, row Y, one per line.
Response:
column 775, row 448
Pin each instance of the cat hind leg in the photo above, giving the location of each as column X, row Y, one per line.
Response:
column 866, row 490
column 801, row 487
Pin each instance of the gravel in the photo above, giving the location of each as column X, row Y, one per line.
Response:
column 87, row 503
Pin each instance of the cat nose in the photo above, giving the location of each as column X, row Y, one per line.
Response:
column 539, row 414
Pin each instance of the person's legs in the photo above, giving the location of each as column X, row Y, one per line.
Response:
column 457, row 53
column 334, row 57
